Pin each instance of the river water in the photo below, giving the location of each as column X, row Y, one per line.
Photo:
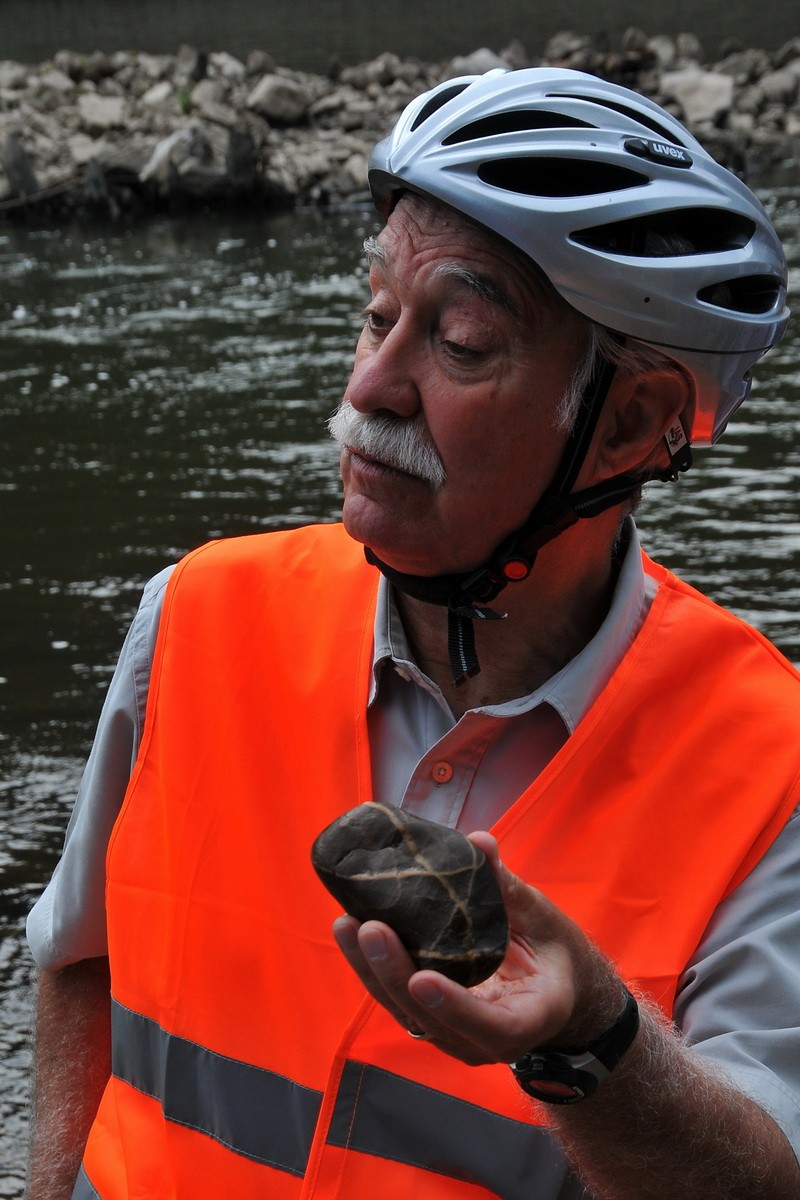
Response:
column 168, row 383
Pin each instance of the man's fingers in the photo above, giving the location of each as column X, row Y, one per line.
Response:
column 382, row 964
column 416, row 999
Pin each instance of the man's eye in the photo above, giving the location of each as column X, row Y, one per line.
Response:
column 374, row 321
column 462, row 352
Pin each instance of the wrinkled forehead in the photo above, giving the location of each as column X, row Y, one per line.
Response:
column 471, row 248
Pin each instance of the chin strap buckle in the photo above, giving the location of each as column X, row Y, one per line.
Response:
column 679, row 450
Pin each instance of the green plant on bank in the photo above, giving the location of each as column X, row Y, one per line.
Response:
column 186, row 101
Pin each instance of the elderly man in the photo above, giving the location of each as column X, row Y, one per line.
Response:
column 566, row 292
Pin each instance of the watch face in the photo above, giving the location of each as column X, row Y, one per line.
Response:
column 551, row 1078
column 556, row 1091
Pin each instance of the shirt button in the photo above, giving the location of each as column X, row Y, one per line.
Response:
column 442, row 772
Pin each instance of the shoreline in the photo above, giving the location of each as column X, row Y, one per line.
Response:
column 129, row 134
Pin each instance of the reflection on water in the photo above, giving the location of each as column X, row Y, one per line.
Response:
column 164, row 385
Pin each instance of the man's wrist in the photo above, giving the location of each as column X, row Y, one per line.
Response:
column 569, row 1074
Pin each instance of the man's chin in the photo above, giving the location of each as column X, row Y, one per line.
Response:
column 386, row 549
column 397, row 541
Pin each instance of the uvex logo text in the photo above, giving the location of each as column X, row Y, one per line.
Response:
column 664, row 152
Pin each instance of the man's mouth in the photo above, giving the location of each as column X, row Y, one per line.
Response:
column 380, row 464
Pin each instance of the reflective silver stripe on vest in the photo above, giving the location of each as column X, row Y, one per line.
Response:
column 271, row 1119
column 384, row 1114
column 254, row 1112
column 83, row 1189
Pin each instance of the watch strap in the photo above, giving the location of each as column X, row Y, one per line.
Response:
column 578, row 1073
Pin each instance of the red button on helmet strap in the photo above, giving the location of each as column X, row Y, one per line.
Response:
column 516, row 569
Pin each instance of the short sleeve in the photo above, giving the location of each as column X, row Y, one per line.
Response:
column 67, row 923
column 739, row 999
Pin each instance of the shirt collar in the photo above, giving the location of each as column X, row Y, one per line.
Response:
column 573, row 689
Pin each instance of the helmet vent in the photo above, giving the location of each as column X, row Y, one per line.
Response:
column 436, row 101
column 633, row 114
column 514, row 122
column 675, row 234
column 558, row 177
column 752, row 294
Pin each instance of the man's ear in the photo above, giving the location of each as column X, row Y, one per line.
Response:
column 637, row 414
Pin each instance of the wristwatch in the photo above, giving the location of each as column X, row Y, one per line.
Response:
column 569, row 1076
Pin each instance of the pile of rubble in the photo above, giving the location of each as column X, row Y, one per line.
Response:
column 129, row 133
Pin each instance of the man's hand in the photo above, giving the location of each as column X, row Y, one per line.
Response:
column 553, row 987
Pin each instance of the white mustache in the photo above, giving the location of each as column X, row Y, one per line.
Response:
column 400, row 442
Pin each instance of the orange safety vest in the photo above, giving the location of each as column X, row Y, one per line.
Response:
column 247, row 1060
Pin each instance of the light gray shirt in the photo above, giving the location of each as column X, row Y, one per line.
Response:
column 739, row 997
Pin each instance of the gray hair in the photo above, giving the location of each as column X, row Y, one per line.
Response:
column 630, row 358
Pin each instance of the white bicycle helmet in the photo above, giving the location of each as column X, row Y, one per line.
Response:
column 634, row 224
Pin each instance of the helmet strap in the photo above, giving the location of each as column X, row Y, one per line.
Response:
column 466, row 595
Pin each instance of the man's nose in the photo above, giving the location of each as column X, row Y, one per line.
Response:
column 384, row 377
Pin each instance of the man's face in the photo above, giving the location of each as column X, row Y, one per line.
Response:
column 463, row 350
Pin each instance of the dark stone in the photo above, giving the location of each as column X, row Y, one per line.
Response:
column 428, row 882
column 18, row 167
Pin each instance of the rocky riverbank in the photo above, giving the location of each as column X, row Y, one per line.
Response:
column 132, row 133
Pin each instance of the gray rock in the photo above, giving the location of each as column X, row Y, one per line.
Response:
column 689, row 47
column 750, row 99
column 428, row 882
column 84, row 149
column 789, row 52
column 780, row 86
column 190, row 65
column 17, row 166
column 228, row 67
column 260, row 63
column 742, row 123
column 169, row 154
column 744, row 66
column 101, row 113
column 282, row 101
column 382, row 71
column 159, row 93
column 664, row 49
column 122, row 60
column 476, row 63
column 634, row 39
column 71, row 64
column 516, row 55
column 13, row 75
column 703, row 95
column 208, row 91
column 110, row 87
column 56, row 81
column 219, row 114
column 773, row 117
column 97, row 66
column 564, row 46
column 333, row 104
column 156, row 66
column 355, row 169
